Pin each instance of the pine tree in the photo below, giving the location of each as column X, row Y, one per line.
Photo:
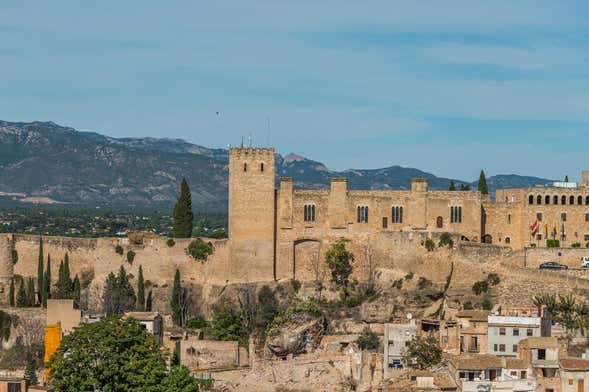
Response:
column 452, row 186
column 566, row 178
column 118, row 296
column 140, row 291
column 76, row 292
column 40, row 274
column 11, row 293
column 21, row 297
column 183, row 216
column 31, row 297
column 176, row 299
column 483, row 184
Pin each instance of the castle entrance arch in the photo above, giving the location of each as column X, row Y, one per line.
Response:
column 487, row 239
column 307, row 264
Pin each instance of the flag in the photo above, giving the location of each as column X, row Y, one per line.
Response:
column 534, row 227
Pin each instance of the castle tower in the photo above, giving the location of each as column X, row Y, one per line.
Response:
column 6, row 265
column 251, row 213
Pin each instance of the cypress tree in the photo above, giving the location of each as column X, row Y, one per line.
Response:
column 21, row 297
column 76, row 292
column 566, row 178
column 140, row 291
column 31, row 297
column 183, row 216
column 47, row 279
column 40, row 274
column 176, row 298
column 483, row 184
column 452, row 186
column 64, row 281
column 11, row 292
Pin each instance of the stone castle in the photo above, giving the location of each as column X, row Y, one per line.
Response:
column 280, row 234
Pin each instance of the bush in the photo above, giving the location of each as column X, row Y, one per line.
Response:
column 467, row 306
column 368, row 340
column 130, row 256
column 170, row 242
column 423, row 283
column 398, row 284
column 576, row 245
column 296, row 285
column 487, row 305
column 119, row 249
column 423, row 352
column 480, row 287
column 200, row 250
column 553, row 243
column 14, row 256
column 587, row 245
column 430, row 245
column 197, row 323
column 136, row 238
column 218, row 234
column 409, row 276
column 493, row 279
column 446, row 240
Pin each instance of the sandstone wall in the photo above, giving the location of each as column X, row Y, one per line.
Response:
column 6, row 265
column 570, row 257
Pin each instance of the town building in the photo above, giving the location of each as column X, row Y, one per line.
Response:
column 574, row 374
column 152, row 322
column 396, row 339
column 542, row 355
column 473, row 331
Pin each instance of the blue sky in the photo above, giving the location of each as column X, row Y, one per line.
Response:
column 448, row 87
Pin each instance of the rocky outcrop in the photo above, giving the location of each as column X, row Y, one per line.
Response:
column 300, row 335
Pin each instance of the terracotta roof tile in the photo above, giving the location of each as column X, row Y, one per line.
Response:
column 476, row 362
column 574, row 364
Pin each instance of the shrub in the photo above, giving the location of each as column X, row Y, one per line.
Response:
column 398, row 284
column 576, row 245
column 430, row 245
column 480, row 287
column 493, row 279
column 200, row 250
column 423, row 352
column 552, row 243
column 296, row 285
column 130, row 256
column 218, row 234
column 423, row 283
column 587, row 245
column 409, row 276
column 467, row 305
column 368, row 340
column 446, row 240
column 14, row 256
column 487, row 305
column 136, row 238
column 197, row 323
column 119, row 249
column 170, row 242
column 339, row 260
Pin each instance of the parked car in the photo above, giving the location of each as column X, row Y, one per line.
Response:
column 553, row 265
column 585, row 262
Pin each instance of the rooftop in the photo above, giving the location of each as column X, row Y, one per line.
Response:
column 574, row 364
column 515, row 363
column 537, row 342
column 475, row 315
column 142, row 315
column 476, row 362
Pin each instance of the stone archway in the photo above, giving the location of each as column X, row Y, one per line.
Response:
column 307, row 264
column 488, row 239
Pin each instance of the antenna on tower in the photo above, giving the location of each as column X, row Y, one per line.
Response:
column 249, row 139
column 242, row 142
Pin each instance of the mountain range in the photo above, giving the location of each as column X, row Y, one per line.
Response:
column 42, row 162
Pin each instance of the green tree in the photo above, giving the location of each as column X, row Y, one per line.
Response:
column 182, row 216
column 452, row 186
column 483, row 184
column 31, row 370
column 339, row 261
column 40, row 273
column 267, row 308
column 47, row 279
column 5, row 326
column 226, row 323
column 31, row 297
column 566, row 178
column 64, row 280
column 176, row 299
column 21, row 296
column 76, row 291
column 111, row 355
column 200, row 250
column 140, row 291
column 423, row 352
column 11, row 292
column 368, row 340
column 180, row 380
column 118, row 296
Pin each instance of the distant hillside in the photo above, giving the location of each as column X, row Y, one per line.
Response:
column 43, row 162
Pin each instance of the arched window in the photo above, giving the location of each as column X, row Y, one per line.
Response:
column 440, row 222
column 508, row 219
column 362, row 214
column 245, row 166
column 262, row 166
column 397, row 213
column 539, row 199
column 507, row 240
column 572, row 200
column 563, row 200
column 555, row 199
column 456, row 214
column 587, row 200
column 547, row 199
column 531, row 199
column 309, row 213
column 580, row 200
